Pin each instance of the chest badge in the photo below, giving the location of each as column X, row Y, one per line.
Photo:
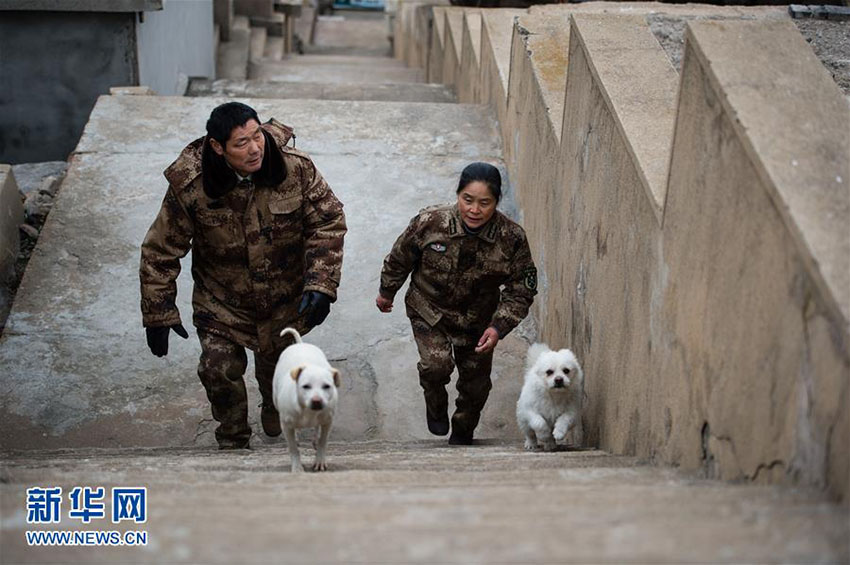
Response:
column 438, row 247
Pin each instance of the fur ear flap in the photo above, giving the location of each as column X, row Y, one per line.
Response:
column 296, row 372
column 335, row 373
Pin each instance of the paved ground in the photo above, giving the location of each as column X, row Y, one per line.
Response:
column 384, row 502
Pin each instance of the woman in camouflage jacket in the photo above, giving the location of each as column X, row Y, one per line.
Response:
column 472, row 281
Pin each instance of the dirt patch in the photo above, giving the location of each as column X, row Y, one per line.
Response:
column 829, row 39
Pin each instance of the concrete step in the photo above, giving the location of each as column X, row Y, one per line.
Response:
column 423, row 502
column 232, row 57
column 351, row 60
column 258, row 43
column 76, row 369
column 344, row 50
column 402, row 92
column 289, row 71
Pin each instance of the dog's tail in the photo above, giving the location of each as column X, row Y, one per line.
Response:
column 293, row 332
column 534, row 352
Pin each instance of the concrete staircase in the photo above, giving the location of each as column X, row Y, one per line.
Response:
column 83, row 403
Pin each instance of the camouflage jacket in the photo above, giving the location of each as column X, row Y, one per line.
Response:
column 469, row 281
column 255, row 247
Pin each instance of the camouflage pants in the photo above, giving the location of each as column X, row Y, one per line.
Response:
column 437, row 359
column 221, row 371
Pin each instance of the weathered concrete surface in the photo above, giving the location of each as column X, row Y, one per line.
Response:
column 403, row 34
column 274, row 47
column 531, row 132
column 12, row 216
column 350, row 60
column 436, row 46
column 496, row 34
column 602, row 231
column 452, row 45
column 422, row 502
column 468, row 81
column 398, row 92
column 76, row 367
column 754, row 356
column 232, row 57
column 292, row 71
column 634, row 8
column 258, row 43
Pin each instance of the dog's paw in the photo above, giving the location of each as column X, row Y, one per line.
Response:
column 559, row 435
column 549, row 444
column 320, row 466
column 530, row 445
column 297, row 469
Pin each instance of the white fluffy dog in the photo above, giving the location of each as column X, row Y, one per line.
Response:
column 305, row 394
column 550, row 401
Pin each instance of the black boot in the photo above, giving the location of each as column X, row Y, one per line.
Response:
column 438, row 422
column 460, row 437
column 270, row 419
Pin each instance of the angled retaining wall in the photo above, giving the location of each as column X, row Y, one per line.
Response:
column 603, row 231
column 496, row 31
column 754, row 359
column 468, row 83
column 452, row 45
column 691, row 230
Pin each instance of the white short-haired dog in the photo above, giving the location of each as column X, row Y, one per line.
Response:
column 305, row 394
column 550, row 401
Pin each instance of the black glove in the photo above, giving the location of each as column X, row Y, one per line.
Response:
column 317, row 305
column 158, row 338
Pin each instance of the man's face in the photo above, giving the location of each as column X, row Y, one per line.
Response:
column 244, row 150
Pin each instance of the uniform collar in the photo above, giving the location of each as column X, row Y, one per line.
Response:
column 488, row 232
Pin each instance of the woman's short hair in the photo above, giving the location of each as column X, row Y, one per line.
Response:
column 482, row 172
column 228, row 116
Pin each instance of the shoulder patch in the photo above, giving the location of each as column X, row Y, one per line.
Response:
column 438, row 247
column 529, row 277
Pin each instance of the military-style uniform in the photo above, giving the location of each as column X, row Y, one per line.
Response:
column 461, row 284
column 256, row 245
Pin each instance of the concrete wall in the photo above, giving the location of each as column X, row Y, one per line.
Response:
column 452, row 45
column 436, row 46
column 12, row 216
column 691, row 232
column 53, row 67
column 754, row 356
column 175, row 44
column 469, row 77
column 496, row 31
column 602, row 229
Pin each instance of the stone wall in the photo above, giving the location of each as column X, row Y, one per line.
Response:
column 690, row 227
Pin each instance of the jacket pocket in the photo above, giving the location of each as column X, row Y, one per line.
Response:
column 286, row 221
column 435, row 270
column 215, row 227
column 494, row 274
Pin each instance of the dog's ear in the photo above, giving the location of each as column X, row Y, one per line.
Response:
column 296, row 372
column 335, row 373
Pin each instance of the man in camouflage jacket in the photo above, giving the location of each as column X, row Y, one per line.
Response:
column 462, row 286
column 266, row 234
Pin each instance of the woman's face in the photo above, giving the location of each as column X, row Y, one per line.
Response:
column 476, row 203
